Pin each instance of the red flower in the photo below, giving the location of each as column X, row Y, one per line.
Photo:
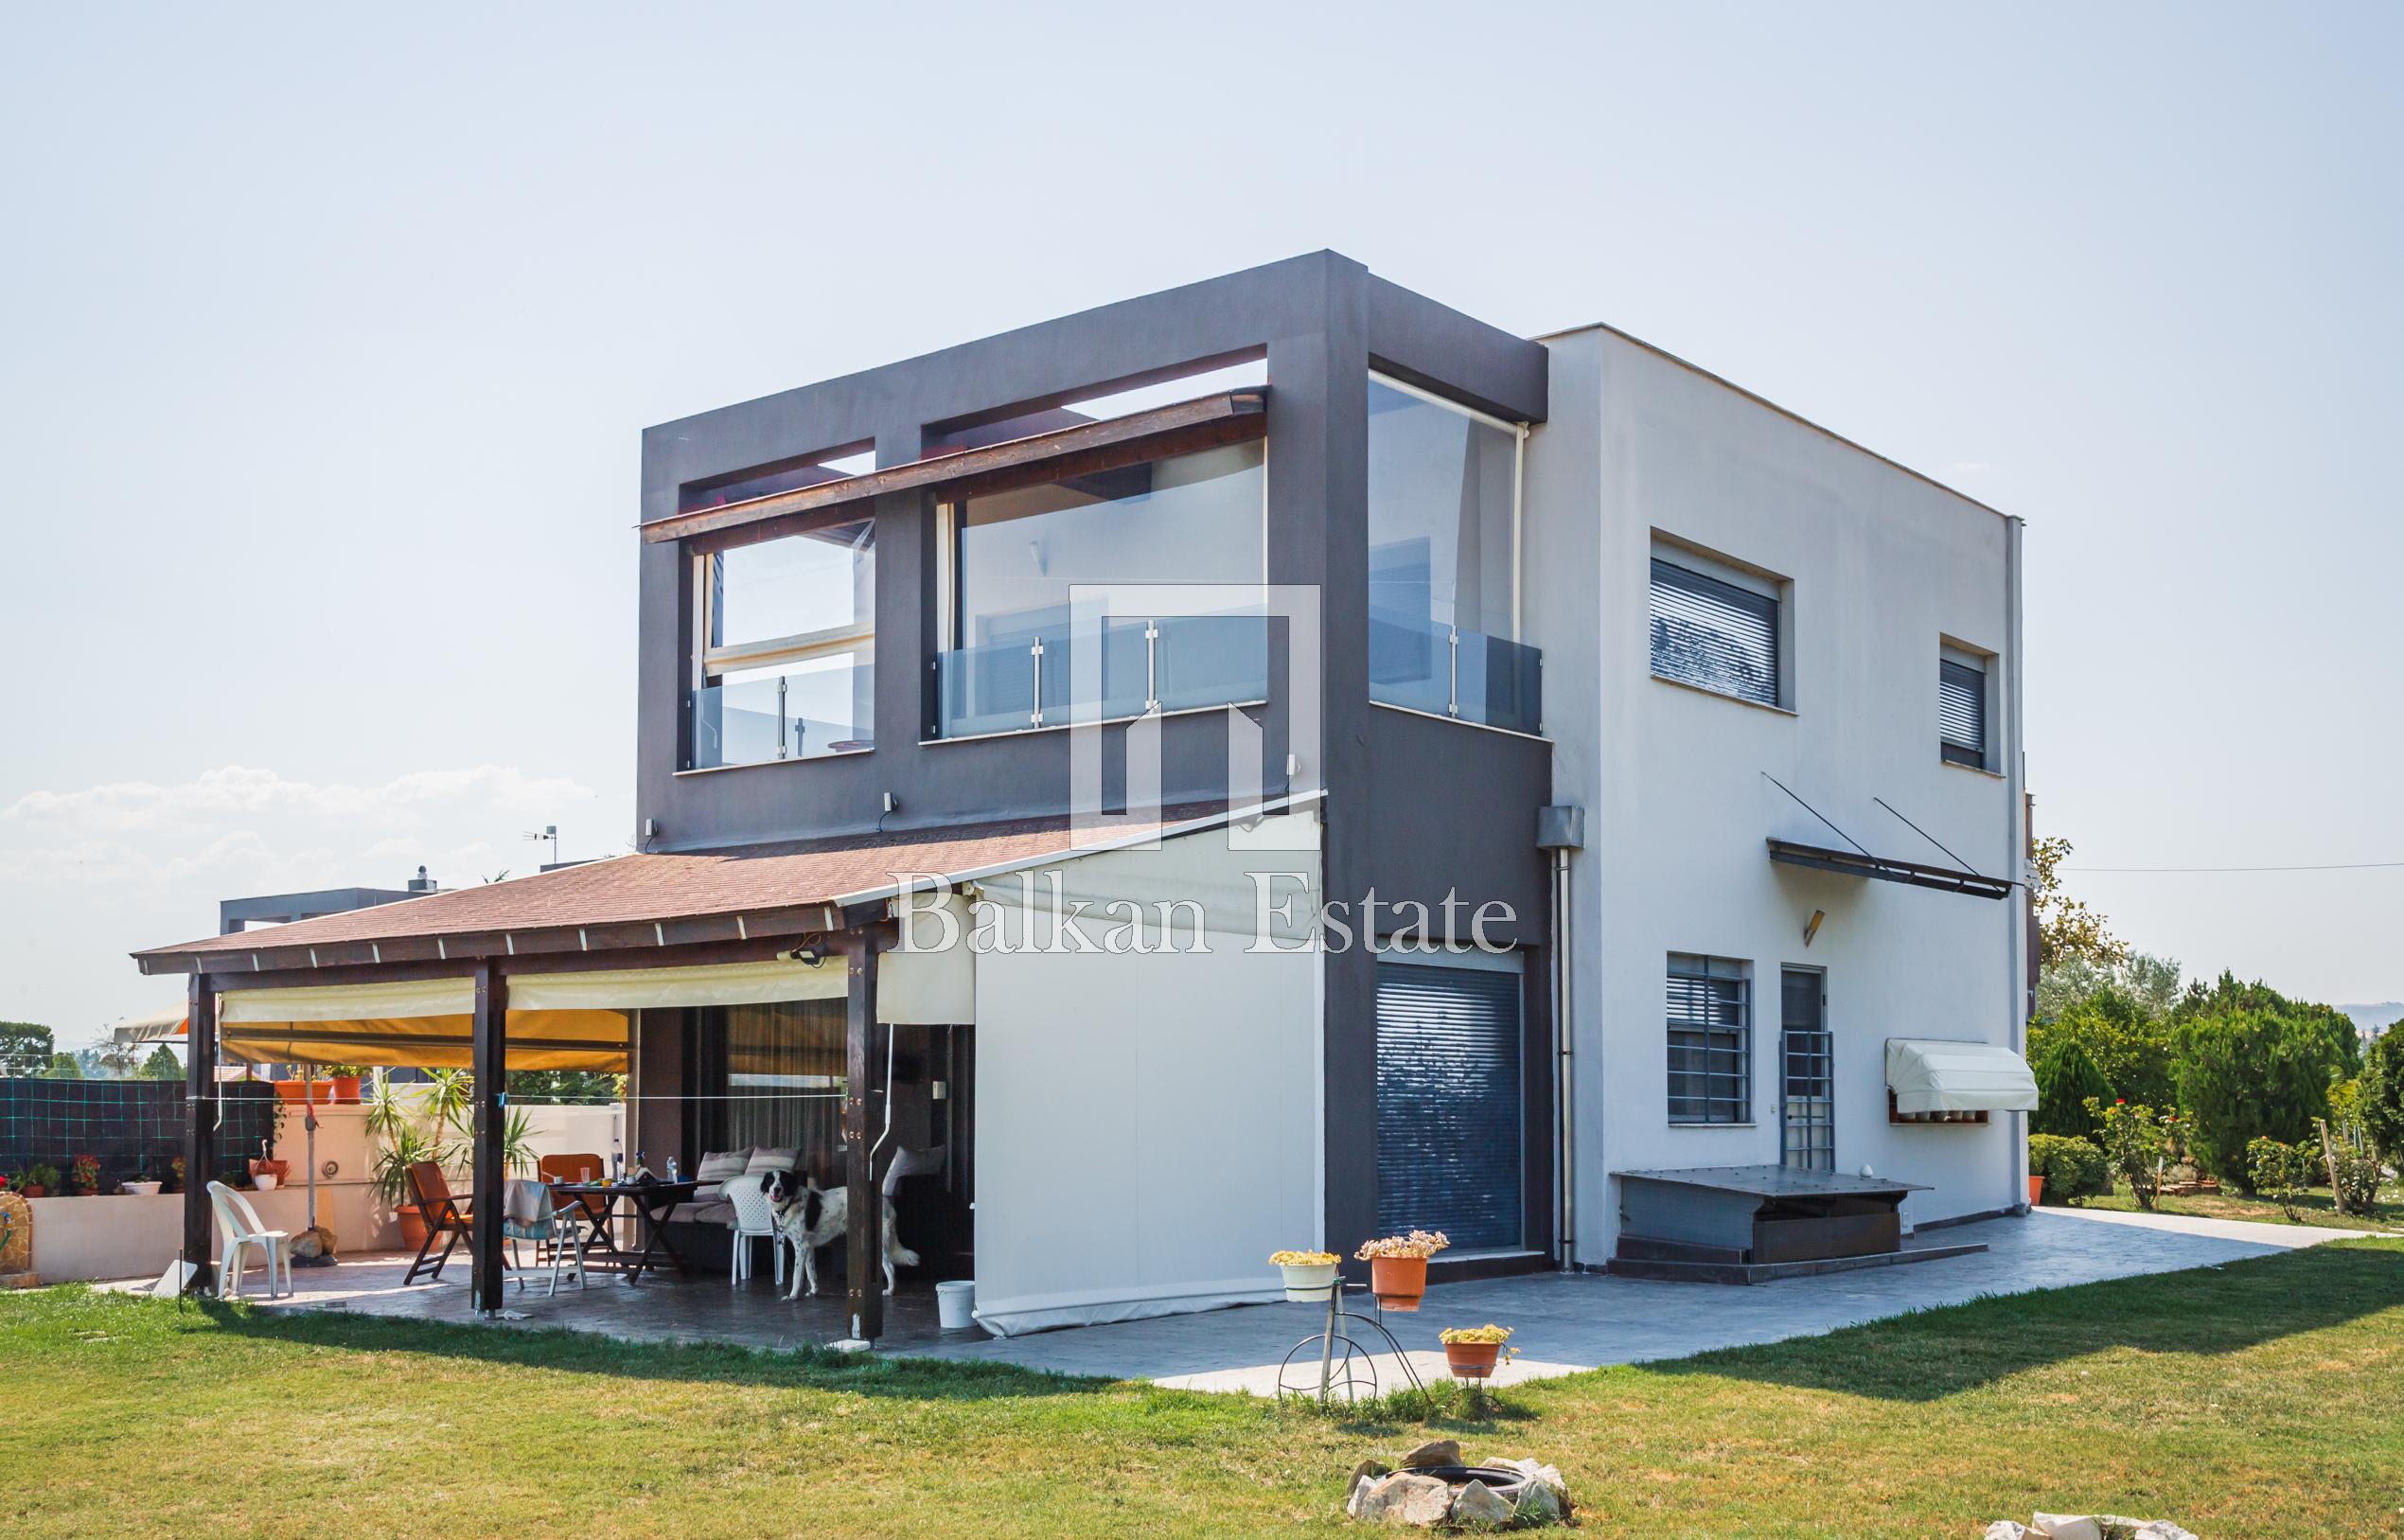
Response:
column 2120, row 1101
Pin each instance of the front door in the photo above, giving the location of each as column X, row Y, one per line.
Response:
column 1807, row 1101
column 1448, row 1103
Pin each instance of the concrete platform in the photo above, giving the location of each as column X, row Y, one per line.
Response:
column 1565, row 1323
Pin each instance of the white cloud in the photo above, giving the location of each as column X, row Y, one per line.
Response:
column 89, row 875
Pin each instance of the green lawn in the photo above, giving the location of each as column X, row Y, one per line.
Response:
column 2314, row 1208
column 2264, row 1398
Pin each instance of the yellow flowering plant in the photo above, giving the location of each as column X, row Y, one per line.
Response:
column 1301, row 1259
column 1488, row 1333
column 1418, row 1242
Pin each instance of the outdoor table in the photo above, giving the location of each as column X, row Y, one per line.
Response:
column 648, row 1205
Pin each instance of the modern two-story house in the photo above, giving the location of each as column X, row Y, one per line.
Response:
column 1265, row 765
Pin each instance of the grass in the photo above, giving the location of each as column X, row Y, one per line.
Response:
column 2313, row 1208
column 2263, row 1398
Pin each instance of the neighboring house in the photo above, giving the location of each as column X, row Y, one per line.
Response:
column 1514, row 587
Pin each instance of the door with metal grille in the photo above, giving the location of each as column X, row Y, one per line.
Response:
column 1448, row 1103
column 1807, row 1104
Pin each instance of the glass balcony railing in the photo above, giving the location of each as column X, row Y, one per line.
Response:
column 1172, row 663
column 798, row 715
column 1444, row 672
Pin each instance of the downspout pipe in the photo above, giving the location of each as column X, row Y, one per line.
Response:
column 1558, row 831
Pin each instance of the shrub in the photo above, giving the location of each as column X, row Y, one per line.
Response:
column 2067, row 1080
column 2358, row 1179
column 2247, row 1073
column 2136, row 1140
column 2382, row 1101
column 2280, row 1172
column 2073, row 1167
column 2129, row 1045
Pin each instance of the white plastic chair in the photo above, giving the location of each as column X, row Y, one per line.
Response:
column 755, row 1220
column 239, row 1224
column 530, row 1211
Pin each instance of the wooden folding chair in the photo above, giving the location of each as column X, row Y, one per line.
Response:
column 444, row 1215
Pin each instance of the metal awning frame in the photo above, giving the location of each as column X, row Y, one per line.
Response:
column 1889, row 869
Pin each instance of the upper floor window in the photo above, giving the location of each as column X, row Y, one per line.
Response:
column 1961, row 708
column 785, row 644
column 1014, row 558
column 1718, row 629
column 1443, row 561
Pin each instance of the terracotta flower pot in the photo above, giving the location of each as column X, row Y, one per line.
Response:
column 413, row 1225
column 345, row 1090
column 1472, row 1360
column 36, row 1190
column 2036, row 1190
column 1398, row 1282
column 291, row 1091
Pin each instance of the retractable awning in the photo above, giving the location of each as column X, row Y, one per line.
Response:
column 1929, row 1076
column 165, row 1026
column 557, row 1021
column 1889, row 869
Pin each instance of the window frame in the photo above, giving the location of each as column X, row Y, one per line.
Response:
column 1711, row 567
column 708, row 665
column 1738, row 972
column 1518, row 492
column 1952, row 657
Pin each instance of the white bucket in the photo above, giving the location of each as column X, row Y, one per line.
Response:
column 955, row 1305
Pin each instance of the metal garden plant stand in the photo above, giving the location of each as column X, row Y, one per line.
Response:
column 1329, row 1362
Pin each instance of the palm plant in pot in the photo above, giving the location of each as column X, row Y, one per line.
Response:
column 1309, row 1275
column 1398, row 1266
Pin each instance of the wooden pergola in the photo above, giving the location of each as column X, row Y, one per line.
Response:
column 802, row 901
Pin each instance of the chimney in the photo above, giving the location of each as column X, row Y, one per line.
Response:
column 421, row 883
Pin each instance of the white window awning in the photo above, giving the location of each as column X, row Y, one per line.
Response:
column 1929, row 1076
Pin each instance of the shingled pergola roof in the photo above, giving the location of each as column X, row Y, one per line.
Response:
column 639, row 901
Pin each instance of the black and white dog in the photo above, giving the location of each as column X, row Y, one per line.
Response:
column 813, row 1217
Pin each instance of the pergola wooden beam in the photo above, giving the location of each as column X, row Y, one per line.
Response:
column 491, row 1077
column 1221, row 418
column 199, row 1107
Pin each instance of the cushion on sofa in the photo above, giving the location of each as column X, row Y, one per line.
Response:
column 718, row 1166
column 766, row 1160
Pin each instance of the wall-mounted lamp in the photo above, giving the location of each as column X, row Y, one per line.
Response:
column 1812, row 925
column 807, row 954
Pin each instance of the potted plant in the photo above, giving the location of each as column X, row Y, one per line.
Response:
column 1310, row 1276
column 342, row 1081
column 1473, row 1351
column 176, row 1175
column 2036, row 1180
column 142, row 1185
column 38, row 1181
column 1398, row 1266
column 404, row 1147
column 83, row 1175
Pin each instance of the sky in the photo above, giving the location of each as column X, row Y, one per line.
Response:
column 328, row 335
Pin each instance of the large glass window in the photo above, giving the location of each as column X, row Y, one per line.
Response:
column 1016, row 554
column 1443, row 562
column 785, row 658
column 771, row 1077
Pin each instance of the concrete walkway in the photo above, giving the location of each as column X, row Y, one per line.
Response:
column 1564, row 1323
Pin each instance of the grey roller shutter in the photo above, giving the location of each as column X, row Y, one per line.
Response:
column 1448, row 1103
column 1714, row 634
column 1961, row 713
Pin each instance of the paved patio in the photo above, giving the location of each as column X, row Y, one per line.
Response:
column 1564, row 1323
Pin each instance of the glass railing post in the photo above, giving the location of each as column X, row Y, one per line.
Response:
column 780, row 716
column 1451, row 688
column 1038, row 717
column 1151, row 665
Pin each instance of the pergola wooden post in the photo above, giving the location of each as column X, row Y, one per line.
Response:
column 490, row 1059
column 864, row 1240
column 200, row 1132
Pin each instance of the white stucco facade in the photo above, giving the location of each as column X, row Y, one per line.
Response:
column 1877, row 569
